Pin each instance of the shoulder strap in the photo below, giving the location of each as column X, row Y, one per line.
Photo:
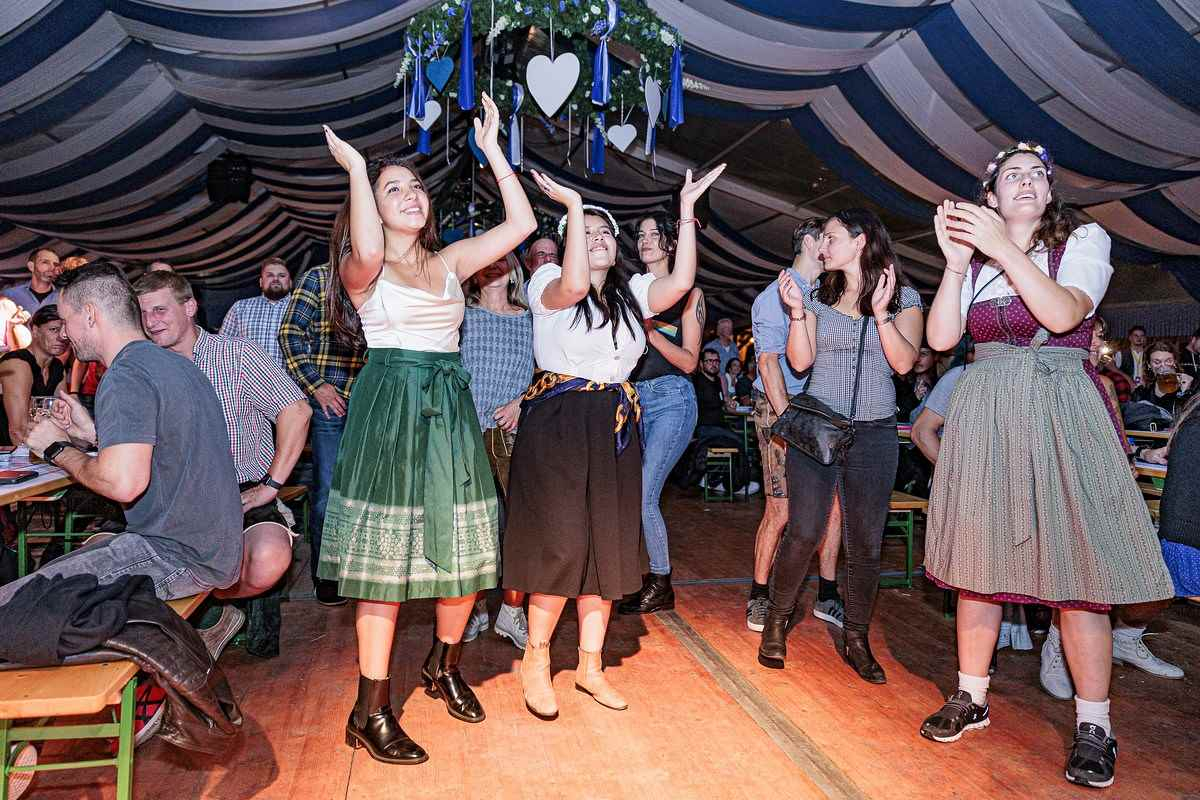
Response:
column 1054, row 260
column 862, row 339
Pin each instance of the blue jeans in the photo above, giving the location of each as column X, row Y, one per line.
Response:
column 326, row 433
column 668, row 419
column 114, row 557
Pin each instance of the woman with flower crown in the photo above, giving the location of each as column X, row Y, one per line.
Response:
column 1032, row 500
column 575, row 484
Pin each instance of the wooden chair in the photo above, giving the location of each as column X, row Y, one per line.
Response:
column 718, row 462
column 43, row 693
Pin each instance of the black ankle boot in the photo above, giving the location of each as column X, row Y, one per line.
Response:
column 373, row 726
column 442, row 679
column 856, row 651
column 773, row 649
column 656, row 595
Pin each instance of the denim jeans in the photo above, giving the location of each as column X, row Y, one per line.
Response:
column 668, row 419
column 326, row 432
column 117, row 556
column 865, row 482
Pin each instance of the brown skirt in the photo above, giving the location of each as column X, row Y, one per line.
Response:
column 574, row 506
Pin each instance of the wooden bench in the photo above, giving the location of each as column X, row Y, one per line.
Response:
column 290, row 494
column 44, row 693
column 901, row 511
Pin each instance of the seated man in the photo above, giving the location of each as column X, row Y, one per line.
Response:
column 711, row 430
column 255, row 393
column 33, row 371
column 163, row 451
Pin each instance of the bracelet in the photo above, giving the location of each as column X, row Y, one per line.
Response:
column 509, row 175
column 799, row 319
column 686, row 221
column 955, row 272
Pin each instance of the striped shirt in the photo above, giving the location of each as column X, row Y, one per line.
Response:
column 257, row 319
column 252, row 390
column 497, row 350
column 310, row 353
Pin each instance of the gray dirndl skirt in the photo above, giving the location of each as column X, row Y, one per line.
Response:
column 1032, row 495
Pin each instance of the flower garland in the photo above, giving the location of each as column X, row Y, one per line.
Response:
column 579, row 21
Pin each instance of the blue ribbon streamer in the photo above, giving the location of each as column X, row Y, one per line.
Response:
column 675, row 97
column 423, row 142
column 597, row 154
column 601, row 82
column 514, row 126
column 466, row 63
column 416, row 101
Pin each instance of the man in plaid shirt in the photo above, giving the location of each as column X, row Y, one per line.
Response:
column 267, row 420
column 325, row 369
column 258, row 318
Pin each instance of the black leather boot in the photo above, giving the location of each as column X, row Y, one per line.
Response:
column 373, row 726
column 442, row 679
column 773, row 649
column 656, row 595
column 856, row 651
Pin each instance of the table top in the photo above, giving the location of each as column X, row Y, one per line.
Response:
column 49, row 479
column 1150, row 470
column 1159, row 436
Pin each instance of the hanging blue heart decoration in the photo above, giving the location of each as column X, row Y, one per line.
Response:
column 438, row 72
column 471, row 143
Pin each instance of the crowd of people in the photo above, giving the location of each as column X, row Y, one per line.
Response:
column 504, row 413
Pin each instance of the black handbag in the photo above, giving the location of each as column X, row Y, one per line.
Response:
column 814, row 428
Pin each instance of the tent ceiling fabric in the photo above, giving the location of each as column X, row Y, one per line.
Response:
column 113, row 110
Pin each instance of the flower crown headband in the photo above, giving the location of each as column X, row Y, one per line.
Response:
column 1019, row 147
column 603, row 212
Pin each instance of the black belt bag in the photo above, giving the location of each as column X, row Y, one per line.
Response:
column 817, row 430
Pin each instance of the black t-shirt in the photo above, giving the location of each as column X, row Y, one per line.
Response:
column 191, row 512
column 654, row 364
column 40, row 388
column 708, row 400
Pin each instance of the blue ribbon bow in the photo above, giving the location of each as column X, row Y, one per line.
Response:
column 601, row 84
column 597, row 154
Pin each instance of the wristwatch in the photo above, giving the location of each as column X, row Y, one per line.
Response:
column 267, row 480
column 51, row 452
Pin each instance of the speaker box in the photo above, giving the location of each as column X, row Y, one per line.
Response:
column 229, row 180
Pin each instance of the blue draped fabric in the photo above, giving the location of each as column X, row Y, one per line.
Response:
column 838, row 15
column 466, row 62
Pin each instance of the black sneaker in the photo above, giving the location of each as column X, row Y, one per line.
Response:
column 327, row 593
column 957, row 716
column 1093, row 759
column 756, row 613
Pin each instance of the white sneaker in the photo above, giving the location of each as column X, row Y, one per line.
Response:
column 512, row 625
column 478, row 623
column 215, row 637
column 1055, row 677
column 753, row 488
column 1131, row 650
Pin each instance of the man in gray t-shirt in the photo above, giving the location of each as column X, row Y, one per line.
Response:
column 163, row 450
column 931, row 414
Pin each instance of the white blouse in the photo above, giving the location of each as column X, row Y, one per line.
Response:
column 572, row 349
column 1085, row 265
column 413, row 319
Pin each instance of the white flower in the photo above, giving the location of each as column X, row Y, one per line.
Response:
column 497, row 29
column 667, row 37
column 594, row 9
column 1000, row 154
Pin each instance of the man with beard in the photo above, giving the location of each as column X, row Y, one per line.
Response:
column 258, row 318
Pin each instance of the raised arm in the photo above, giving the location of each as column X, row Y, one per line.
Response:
column 468, row 256
column 1058, row 308
column 362, row 265
column 666, row 291
column 946, row 324
column 574, row 283
column 900, row 335
column 802, row 326
column 686, row 356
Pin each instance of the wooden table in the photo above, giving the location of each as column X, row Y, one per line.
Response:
column 50, row 479
column 1149, row 436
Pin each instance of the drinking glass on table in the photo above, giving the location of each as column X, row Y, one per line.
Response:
column 40, row 407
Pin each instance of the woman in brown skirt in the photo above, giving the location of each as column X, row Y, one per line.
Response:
column 1033, row 500
column 575, row 484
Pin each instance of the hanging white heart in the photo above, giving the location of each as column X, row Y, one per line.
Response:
column 621, row 136
column 551, row 82
column 433, row 110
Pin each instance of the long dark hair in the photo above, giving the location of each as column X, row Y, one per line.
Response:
column 669, row 237
column 1057, row 220
column 876, row 256
column 343, row 318
column 615, row 299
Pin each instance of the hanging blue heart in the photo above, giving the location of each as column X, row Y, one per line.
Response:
column 416, row 101
column 466, row 64
column 675, row 98
column 597, row 149
column 601, row 83
column 515, row 146
column 438, row 72
column 471, row 143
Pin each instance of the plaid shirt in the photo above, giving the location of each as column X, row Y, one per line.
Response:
column 252, row 390
column 309, row 351
column 257, row 319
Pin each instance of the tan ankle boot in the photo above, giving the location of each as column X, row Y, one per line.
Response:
column 589, row 678
column 535, row 681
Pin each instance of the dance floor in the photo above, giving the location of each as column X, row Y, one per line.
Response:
column 705, row 720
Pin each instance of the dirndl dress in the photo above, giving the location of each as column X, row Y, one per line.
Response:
column 1032, row 498
column 412, row 507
